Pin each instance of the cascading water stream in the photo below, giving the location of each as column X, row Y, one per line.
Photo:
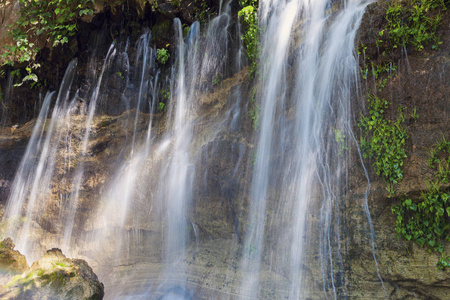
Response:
column 278, row 33
column 176, row 182
column 74, row 198
column 142, row 222
column 114, row 217
column 165, row 163
column 32, row 182
column 146, row 59
column 173, row 189
column 340, row 69
column 325, row 76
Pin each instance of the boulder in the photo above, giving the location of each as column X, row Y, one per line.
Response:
column 55, row 277
column 11, row 261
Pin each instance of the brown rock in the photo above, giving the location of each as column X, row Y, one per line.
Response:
column 11, row 260
column 55, row 277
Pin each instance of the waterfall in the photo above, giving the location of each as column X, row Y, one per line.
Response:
column 34, row 176
column 77, row 179
column 156, row 176
column 176, row 181
column 276, row 49
column 322, row 74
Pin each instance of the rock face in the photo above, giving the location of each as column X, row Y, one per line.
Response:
column 401, row 270
column 12, row 148
column 55, row 277
column 422, row 82
column 11, row 261
column 9, row 13
column 110, row 20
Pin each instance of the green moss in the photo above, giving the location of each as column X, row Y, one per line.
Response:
column 58, row 279
column 13, row 281
column 25, row 281
column 161, row 30
column 63, row 265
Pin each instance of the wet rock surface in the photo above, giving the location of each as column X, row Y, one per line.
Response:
column 422, row 82
column 55, row 277
column 111, row 20
column 11, row 261
column 406, row 270
column 13, row 143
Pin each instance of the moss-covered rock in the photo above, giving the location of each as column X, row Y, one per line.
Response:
column 55, row 277
column 162, row 32
column 11, row 261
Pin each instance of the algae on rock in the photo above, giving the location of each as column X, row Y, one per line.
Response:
column 55, row 276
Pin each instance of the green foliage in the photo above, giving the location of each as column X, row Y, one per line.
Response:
column 248, row 13
column 217, row 79
column 384, row 141
column 254, row 109
column 202, row 11
column 414, row 114
column 165, row 94
column 162, row 55
column 413, row 23
column 362, row 49
column 427, row 222
column 379, row 70
column 254, row 114
column 364, row 72
column 51, row 22
column 443, row 263
column 186, row 29
column 439, row 162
